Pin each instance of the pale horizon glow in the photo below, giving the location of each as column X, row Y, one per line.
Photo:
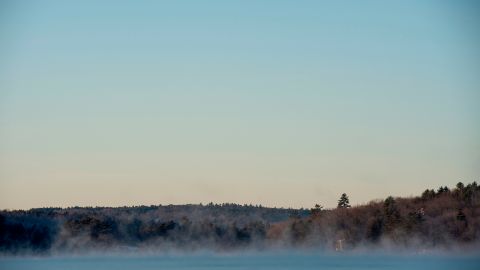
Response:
column 279, row 103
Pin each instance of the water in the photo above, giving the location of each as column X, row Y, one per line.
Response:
column 240, row 262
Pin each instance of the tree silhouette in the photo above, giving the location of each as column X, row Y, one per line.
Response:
column 391, row 212
column 343, row 202
column 318, row 208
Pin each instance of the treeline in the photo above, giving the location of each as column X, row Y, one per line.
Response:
column 186, row 227
column 442, row 218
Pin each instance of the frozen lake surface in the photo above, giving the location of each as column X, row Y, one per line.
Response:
column 240, row 262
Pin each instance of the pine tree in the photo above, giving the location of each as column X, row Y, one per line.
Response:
column 343, row 202
column 318, row 208
column 391, row 212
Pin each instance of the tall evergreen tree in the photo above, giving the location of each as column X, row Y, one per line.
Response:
column 343, row 202
column 391, row 212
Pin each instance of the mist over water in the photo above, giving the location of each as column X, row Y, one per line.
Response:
column 443, row 222
column 437, row 230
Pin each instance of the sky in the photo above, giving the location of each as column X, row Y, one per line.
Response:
column 279, row 103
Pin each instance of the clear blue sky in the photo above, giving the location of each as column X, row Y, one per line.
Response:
column 283, row 103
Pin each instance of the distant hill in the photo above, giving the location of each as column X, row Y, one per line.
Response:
column 441, row 219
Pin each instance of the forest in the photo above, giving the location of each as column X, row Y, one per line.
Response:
column 444, row 219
